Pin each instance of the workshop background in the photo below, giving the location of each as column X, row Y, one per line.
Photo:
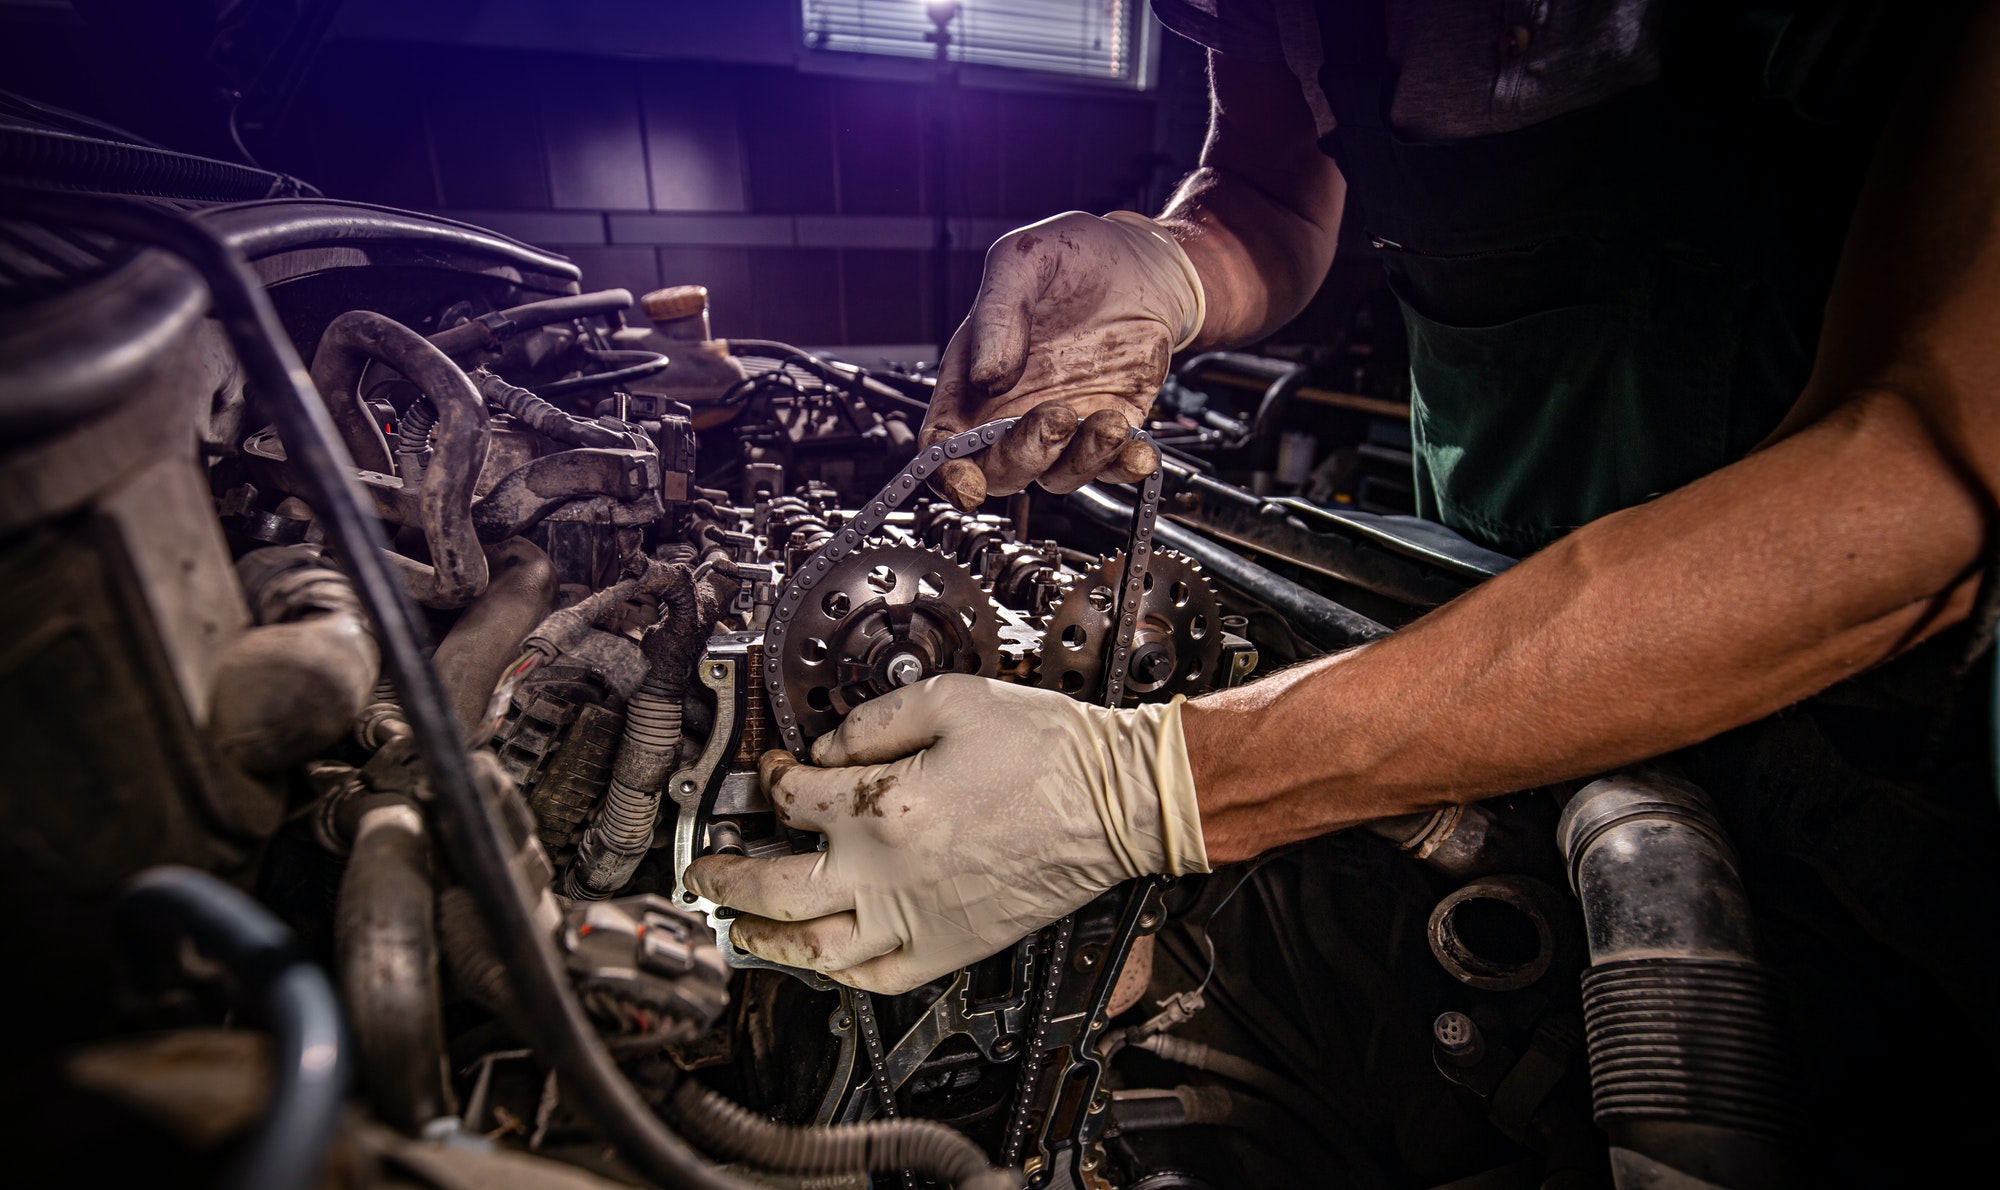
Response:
column 666, row 142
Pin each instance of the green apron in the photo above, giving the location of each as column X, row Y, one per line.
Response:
column 1601, row 307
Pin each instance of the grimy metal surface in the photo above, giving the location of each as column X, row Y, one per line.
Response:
column 1118, row 653
column 871, row 516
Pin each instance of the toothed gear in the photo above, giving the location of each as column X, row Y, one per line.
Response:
column 882, row 617
column 1174, row 650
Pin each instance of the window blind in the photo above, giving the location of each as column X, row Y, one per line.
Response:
column 1095, row 39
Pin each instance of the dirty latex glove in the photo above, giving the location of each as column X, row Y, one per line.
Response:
column 1074, row 323
column 960, row 814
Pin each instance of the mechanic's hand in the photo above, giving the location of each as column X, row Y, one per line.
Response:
column 1072, row 329
column 960, row 814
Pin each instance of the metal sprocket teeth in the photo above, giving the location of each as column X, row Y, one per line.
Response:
column 885, row 616
column 1175, row 647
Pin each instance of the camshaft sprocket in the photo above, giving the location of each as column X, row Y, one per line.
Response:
column 885, row 616
column 1174, row 649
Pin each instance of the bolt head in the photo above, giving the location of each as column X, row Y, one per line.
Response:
column 905, row 669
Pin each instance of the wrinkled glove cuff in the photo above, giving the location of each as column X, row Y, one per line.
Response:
column 1172, row 258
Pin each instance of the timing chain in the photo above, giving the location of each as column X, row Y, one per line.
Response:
column 871, row 516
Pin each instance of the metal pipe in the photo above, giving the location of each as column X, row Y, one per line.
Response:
column 472, row 832
column 285, row 690
column 308, row 1052
column 386, row 947
column 1310, row 614
column 1688, row 1077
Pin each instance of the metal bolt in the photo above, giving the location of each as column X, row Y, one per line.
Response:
column 905, row 669
column 1152, row 665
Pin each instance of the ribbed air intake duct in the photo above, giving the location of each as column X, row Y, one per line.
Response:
column 1688, row 1075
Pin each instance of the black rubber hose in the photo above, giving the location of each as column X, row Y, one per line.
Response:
column 286, row 689
column 651, row 363
column 309, row 1052
column 543, row 418
column 490, row 633
column 489, row 332
column 386, row 947
column 1688, row 1067
column 473, row 837
column 925, row 1147
column 444, row 500
column 772, row 349
column 1310, row 614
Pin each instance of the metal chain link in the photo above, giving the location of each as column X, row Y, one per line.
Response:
column 871, row 517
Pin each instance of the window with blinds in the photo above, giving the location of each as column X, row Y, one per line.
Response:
column 1094, row 39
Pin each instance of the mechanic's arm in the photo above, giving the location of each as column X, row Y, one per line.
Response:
column 1858, row 531
column 1077, row 315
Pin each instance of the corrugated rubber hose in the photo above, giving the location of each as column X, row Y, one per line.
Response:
column 925, row 1147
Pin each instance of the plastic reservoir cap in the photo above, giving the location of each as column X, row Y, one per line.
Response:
column 675, row 301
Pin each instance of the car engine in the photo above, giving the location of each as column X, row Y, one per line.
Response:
column 418, row 815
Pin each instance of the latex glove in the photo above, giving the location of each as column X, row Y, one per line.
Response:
column 961, row 814
column 1075, row 321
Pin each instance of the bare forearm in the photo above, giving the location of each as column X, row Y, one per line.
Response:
column 1857, row 534
column 1260, row 217
column 1260, row 260
column 1643, row 632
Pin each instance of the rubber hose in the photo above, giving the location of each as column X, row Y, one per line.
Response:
column 309, row 1050
column 457, row 571
column 385, row 942
column 543, row 418
column 489, row 633
column 475, row 966
column 472, row 832
column 650, row 363
column 1688, row 1067
column 1196, row 1056
column 927, row 1148
column 285, row 690
column 486, row 334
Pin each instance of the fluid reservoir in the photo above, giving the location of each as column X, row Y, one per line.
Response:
column 701, row 372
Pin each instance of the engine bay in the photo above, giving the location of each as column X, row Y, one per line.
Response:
column 641, row 557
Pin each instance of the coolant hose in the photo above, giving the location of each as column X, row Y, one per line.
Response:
column 927, row 1148
column 488, row 635
column 308, row 1051
column 386, row 948
column 457, row 569
column 1688, row 1076
column 285, row 690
